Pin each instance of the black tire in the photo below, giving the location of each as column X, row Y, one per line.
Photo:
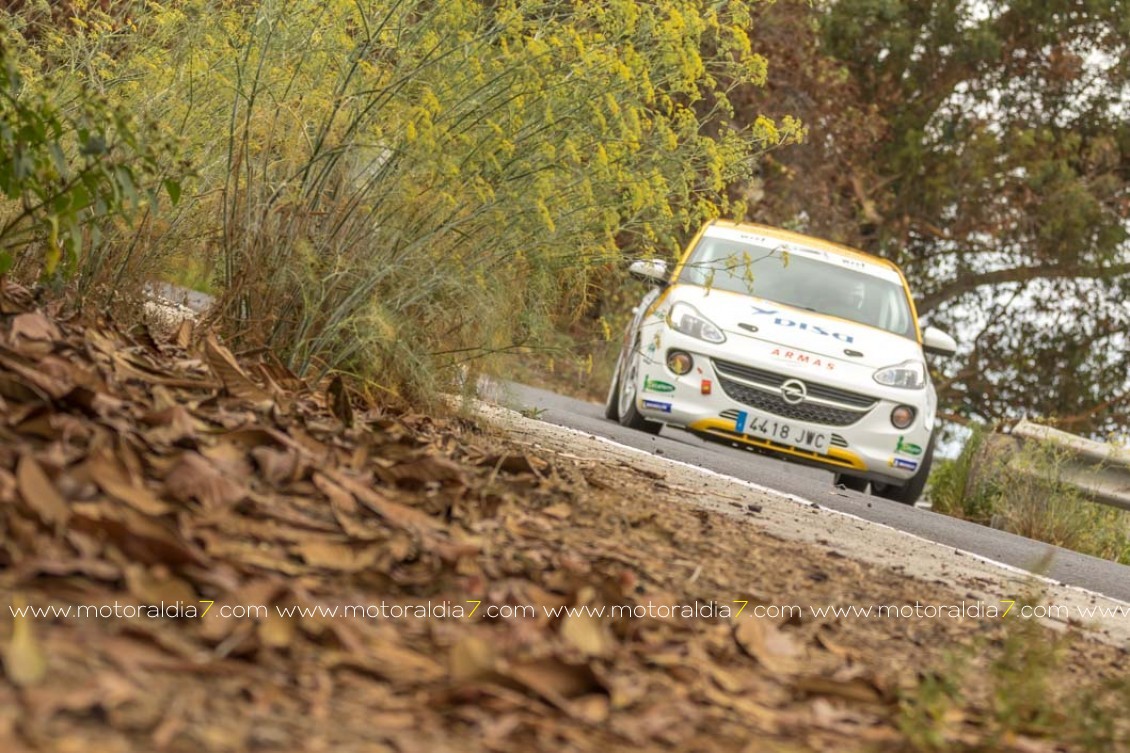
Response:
column 626, row 397
column 612, row 402
column 855, row 483
column 909, row 493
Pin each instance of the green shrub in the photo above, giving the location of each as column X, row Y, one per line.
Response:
column 999, row 689
column 69, row 168
column 949, row 483
column 1023, row 491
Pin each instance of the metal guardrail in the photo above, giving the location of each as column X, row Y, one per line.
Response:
column 1100, row 471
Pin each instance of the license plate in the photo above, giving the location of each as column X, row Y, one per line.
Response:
column 782, row 432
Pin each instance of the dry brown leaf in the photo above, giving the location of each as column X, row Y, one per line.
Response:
column 33, row 334
column 14, row 299
column 769, row 645
column 515, row 463
column 171, row 425
column 731, row 682
column 40, row 495
column 856, row 689
column 194, row 478
column 229, row 458
column 346, row 511
column 754, row 713
column 8, row 486
column 391, row 661
column 560, row 511
column 94, row 569
column 113, row 478
column 554, row 680
column 127, row 366
column 137, row 536
column 589, row 635
column 34, row 325
column 33, row 378
column 155, row 585
column 335, row 556
column 394, row 512
column 471, row 658
column 16, row 389
column 229, row 372
column 277, row 631
column 183, row 336
column 828, row 644
column 592, row 709
column 428, row 469
column 278, row 467
column 24, row 661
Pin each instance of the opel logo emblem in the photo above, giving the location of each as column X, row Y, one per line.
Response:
column 793, row 391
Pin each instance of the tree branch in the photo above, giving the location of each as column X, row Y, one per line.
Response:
column 970, row 282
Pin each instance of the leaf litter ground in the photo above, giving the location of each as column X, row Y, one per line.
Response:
column 146, row 481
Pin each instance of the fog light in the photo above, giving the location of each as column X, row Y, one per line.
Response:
column 706, row 386
column 679, row 362
column 902, row 416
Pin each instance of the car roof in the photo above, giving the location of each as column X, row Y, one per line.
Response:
column 807, row 240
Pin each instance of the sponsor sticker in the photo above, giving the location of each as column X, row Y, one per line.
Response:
column 654, row 385
column 656, row 405
column 903, row 463
column 783, row 321
column 907, row 448
column 806, row 359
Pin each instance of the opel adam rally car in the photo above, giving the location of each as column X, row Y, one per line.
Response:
column 786, row 344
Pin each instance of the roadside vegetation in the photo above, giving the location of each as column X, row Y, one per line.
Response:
column 1028, row 495
column 391, row 188
column 1000, row 692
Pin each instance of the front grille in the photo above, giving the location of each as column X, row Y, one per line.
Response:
column 773, row 380
column 770, row 403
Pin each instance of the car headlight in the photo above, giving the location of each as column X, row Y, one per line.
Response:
column 685, row 318
column 908, row 375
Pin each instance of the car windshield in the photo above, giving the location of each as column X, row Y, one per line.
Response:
column 803, row 278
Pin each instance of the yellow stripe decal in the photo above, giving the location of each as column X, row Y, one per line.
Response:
column 836, row 456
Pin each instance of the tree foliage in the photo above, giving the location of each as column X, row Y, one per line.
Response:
column 985, row 147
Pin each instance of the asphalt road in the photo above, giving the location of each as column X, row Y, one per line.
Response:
column 813, row 485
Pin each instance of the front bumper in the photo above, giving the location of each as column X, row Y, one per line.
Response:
column 854, row 439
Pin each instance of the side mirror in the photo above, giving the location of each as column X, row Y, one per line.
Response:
column 937, row 342
column 649, row 270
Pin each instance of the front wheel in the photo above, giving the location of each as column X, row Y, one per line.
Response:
column 854, row 483
column 629, row 415
column 612, row 402
column 909, row 493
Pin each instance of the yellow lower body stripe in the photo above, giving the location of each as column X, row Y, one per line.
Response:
column 836, row 457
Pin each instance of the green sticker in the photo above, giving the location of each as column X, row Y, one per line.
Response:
column 654, row 385
column 906, row 448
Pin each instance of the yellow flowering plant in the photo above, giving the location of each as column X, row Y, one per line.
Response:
column 395, row 186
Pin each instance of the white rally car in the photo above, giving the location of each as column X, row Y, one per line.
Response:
column 787, row 344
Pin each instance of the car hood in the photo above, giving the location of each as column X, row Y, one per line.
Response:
column 780, row 326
